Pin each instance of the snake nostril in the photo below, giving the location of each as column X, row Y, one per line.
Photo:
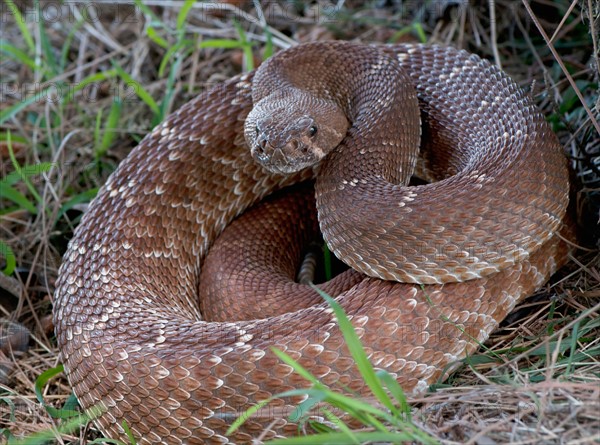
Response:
column 261, row 145
column 258, row 153
column 292, row 148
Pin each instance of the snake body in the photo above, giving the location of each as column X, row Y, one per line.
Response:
column 128, row 324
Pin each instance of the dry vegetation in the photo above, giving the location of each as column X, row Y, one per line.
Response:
column 67, row 99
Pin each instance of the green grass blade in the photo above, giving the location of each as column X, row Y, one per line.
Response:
column 240, row 31
column 97, row 127
column 128, row 432
column 139, row 90
column 551, row 346
column 48, row 436
column 418, row 28
column 221, row 43
column 110, row 127
column 183, row 13
column 92, row 78
column 16, row 54
column 268, row 51
column 573, row 347
column 25, row 173
column 246, row 415
column 24, row 176
column 153, row 35
column 104, row 441
column 20, row 174
column 22, row 24
column 396, row 391
column 71, row 403
column 342, row 439
column 51, row 64
column 153, row 17
column 170, row 87
column 360, row 410
column 319, row 427
column 13, row 195
column 357, row 351
column 83, row 197
column 40, row 382
column 341, row 425
column 314, row 399
column 247, row 47
column 64, row 52
column 167, row 58
column 96, row 77
column 298, row 368
column 8, row 210
column 13, row 137
column 590, row 324
column 580, row 357
column 9, row 257
column 11, row 111
column 415, row 28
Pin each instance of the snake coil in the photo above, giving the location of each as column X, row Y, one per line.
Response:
column 480, row 238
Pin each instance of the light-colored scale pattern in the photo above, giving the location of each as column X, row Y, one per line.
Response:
column 126, row 309
column 250, row 270
column 480, row 130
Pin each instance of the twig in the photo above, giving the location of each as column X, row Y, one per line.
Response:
column 493, row 36
column 594, row 36
column 562, row 65
column 564, row 19
column 560, row 332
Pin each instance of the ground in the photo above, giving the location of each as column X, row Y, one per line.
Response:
column 83, row 82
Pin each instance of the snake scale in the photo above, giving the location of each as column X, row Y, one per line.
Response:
column 456, row 255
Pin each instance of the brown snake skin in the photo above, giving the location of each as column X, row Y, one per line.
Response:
column 128, row 322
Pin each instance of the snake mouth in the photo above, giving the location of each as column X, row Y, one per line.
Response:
column 293, row 157
column 261, row 157
column 282, row 168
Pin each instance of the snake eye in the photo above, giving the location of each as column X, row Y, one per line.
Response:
column 312, row 130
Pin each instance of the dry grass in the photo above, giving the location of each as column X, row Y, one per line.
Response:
column 536, row 381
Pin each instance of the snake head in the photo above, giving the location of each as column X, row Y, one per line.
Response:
column 288, row 133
